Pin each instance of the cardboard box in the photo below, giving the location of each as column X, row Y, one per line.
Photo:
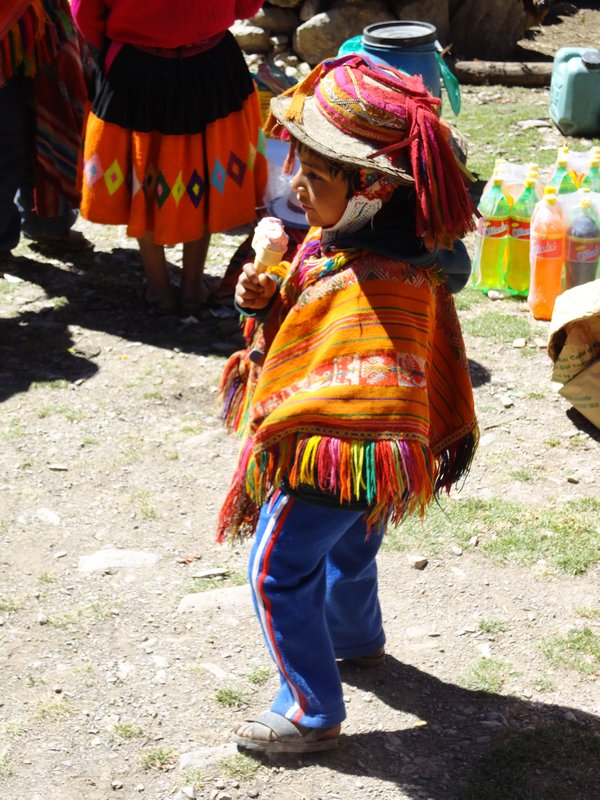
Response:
column 574, row 347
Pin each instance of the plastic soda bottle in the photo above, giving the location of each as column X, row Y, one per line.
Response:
column 546, row 255
column 517, row 270
column 561, row 179
column 491, row 238
column 582, row 245
column 592, row 179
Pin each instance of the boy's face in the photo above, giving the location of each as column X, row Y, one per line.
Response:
column 322, row 195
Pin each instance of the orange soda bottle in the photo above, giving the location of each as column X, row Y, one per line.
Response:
column 491, row 238
column 517, row 270
column 546, row 255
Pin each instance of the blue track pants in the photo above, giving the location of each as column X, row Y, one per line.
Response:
column 314, row 583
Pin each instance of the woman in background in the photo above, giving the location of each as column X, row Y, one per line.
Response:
column 173, row 144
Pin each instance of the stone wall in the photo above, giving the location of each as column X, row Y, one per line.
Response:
column 300, row 33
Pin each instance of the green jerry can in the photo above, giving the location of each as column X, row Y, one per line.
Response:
column 575, row 91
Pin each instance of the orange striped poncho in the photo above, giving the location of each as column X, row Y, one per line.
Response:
column 364, row 391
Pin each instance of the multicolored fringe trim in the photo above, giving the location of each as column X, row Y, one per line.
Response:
column 35, row 38
column 396, row 478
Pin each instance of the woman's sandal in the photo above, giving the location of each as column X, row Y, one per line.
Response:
column 272, row 733
column 163, row 304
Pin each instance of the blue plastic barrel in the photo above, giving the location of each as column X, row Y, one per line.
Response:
column 408, row 45
column 575, row 91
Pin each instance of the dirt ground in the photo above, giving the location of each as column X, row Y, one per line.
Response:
column 118, row 668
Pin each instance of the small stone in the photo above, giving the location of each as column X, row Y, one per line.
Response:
column 58, row 467
column 456, row 550
column 417, row 561
column 519, row 343
column 41, row 619
column 572, row 479
column 507, row 401
column 253, row 793
column 474, row 541
column 47, row 516
column 116, row 785
column 495, row 295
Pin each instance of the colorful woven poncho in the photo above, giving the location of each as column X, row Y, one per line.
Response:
column 364, row 391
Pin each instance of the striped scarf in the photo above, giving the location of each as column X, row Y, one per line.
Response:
column 364, row 391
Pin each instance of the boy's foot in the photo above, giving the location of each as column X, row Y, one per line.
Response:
column 271, row 733
column 375, row 659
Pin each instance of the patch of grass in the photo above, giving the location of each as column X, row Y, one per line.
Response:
column 153, row 396
column 479, row 123
column 58, row 383
column 553, row 443
column 491, row 626
column 555, row 762
column 193, row 777
column 259, row 676
column 543, row 685
column 158, row 758
column 62, row 621
column 578, row 650
column 589, row 612
column 565, row 535
column 498, row 326
column 58, row 303
column 240, row 767
column 46, row 577
column 536, row 395
column 89, row 441
column 172, row 455
column 487, row 675
column 469, row 297
column 5, row 766
column 70, row 414
column 11, row 604
column 128, row 730
column 523, row 475
column 54, row 710
column 231, row 698
column 228, row 579
column 144, row 501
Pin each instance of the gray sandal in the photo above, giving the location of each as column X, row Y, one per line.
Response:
column 272, row 733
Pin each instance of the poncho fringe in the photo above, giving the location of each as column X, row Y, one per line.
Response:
column 32, row 39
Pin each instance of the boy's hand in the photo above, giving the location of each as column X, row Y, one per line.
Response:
column 254, row 290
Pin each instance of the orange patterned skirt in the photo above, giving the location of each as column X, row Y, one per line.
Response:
column 174, row 146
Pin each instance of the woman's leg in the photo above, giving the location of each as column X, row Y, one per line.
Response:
column 352, row 604
column 288, row 580
column 194, row 294
column 160, row 293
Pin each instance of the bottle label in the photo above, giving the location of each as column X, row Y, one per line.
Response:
column 547, row 246
column 492, row 228
column 520, row 228
column 584, row 251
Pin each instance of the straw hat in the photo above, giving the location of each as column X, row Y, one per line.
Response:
column 356, row 112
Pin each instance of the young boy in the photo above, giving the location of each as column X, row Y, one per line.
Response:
column 354, row 394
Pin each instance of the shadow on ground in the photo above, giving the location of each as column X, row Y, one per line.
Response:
column 97, row 292
column 468, row 745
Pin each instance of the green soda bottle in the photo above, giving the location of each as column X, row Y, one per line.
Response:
column 592, row 179
column 491, row 238
column 561, row 180
column 517, row 269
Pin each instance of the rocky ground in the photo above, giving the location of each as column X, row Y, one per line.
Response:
column 128, row 649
